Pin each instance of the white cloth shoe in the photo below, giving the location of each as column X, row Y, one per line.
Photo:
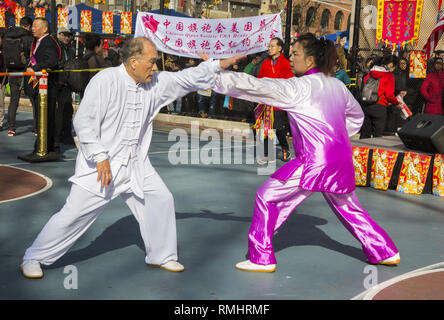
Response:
column 31, row 269
column 247, row 265
column 392, row 260
column 173, row 266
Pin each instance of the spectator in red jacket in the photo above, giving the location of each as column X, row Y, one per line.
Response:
column 277, row 66
column 432, row 88
column 376, row 113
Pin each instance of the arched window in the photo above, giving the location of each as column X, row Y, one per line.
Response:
column 338, row 20
column 297, row 16
column 311, row 17
column 325, row 19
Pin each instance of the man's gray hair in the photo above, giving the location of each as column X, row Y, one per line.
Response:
column 133, row 48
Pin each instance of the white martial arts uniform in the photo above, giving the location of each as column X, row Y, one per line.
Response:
column 114, row 122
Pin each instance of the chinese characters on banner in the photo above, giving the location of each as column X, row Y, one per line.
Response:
column 438, row 175
column 418, row 64
column 2, row 18
column 126, row 22
column 218, row 38
column 85, row 21
column 39, row 12
column 19, row 13
column 398, row 23
column 383, row 162
column 62, row 17
column 413, row 173
column 107, row 22
column 360, row 161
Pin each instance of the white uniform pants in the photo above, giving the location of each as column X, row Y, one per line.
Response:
column 155, row 215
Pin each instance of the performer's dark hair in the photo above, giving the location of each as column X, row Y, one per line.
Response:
column 323, row 51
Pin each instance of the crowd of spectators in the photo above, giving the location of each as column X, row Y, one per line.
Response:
column 382, row 117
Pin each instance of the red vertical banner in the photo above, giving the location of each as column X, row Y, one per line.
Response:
column 85, row 21
column 126, row 22
column 39, row 12
column 360, row 161
column 19, row 13
column 398, row 22
column 2, row 18
column 62, row 17
column 107, row 22
column 438, row 175
column 383, row 162
column 413, row 173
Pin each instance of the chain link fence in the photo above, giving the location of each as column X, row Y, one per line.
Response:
column 368, row 50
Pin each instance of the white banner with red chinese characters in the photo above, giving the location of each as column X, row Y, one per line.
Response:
column 218, row 38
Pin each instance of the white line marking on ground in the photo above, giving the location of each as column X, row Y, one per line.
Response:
column 48, row 184
column 370, row 293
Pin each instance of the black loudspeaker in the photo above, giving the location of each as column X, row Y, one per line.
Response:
column 424, row 132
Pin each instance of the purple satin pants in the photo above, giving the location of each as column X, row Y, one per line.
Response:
column 276, row 200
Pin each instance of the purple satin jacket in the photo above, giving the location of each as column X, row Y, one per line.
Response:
column 323, row 114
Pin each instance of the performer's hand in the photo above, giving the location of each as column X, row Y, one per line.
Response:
column 104, row 172
column 29, row 69
column 403, row 93
column 226, row 63
column 203, row 56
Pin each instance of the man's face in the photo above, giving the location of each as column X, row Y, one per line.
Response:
column 438, row 64
column 298, row 60
column 402, row 65
column 64, row 37
column 39, row 29
column 144, row 68
column 274, row 49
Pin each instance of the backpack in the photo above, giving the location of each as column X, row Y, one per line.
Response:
column 15, row 56
column 370, row 91
column 77, row 81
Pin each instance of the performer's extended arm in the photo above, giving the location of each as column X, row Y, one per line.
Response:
column 173, row 85
column 281, row 93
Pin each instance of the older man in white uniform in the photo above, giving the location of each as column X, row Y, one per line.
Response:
column 114, row 128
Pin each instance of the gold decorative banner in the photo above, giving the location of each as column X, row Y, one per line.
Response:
column 19, row 14
column 62, row 18
column 85, row 21
column 418, row 64
column 438, row 175
column 360, row 160
column 383, row 162
column 126, row 22
column 2, row 18
column 39, row 12
column 107, row 22
column 413, row 173
column 398, row 23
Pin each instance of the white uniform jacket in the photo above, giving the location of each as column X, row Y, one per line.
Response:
column 115, row 121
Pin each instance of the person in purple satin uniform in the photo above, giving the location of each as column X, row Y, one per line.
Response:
column 323, row 115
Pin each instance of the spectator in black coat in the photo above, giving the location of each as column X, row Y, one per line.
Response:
column 45, row 54
column 23, row 32
column 3, row 81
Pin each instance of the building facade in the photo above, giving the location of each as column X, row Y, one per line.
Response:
column 316, row 16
